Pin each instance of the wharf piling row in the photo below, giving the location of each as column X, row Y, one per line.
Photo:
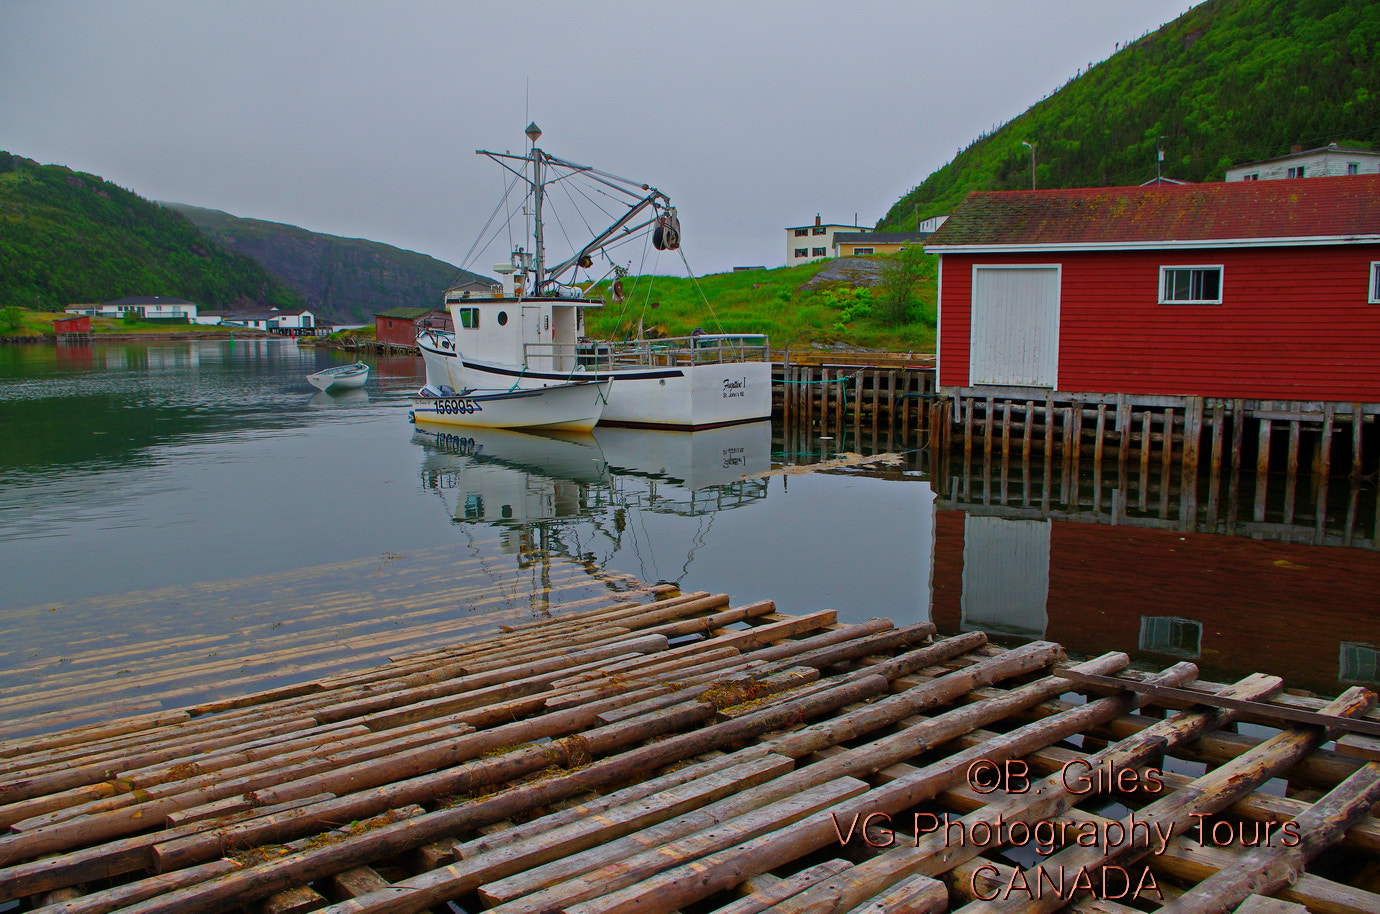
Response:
column 685, row 753
column 1296, row 438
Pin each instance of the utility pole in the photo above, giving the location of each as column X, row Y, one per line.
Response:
column 1159, row 157
column 1031, row 147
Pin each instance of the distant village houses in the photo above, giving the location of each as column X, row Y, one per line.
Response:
column 808, row 243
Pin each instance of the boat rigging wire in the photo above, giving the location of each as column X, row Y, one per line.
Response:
column 474, row 247
column 695, row 279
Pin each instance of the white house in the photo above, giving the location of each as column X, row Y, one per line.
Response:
column 1324, row 162
column 148, row 307
column 805, row 243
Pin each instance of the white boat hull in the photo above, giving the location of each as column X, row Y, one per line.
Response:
column 686, row 397
column 346, row 377
column 573, row 407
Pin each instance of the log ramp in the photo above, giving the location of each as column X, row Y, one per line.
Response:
column 681, row 754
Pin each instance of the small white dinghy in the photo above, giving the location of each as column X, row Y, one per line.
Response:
column 573, row 407
column 343, row 377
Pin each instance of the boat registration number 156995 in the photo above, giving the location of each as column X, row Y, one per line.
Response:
column 457, row 407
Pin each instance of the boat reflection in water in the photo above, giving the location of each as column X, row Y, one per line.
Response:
column 580, row 496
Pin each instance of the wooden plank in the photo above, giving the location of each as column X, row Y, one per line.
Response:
column 1262, row 458
column 1257, row 710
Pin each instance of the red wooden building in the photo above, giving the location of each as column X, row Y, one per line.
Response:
column 75, row 327
column 398, row 326
column 1256, row 289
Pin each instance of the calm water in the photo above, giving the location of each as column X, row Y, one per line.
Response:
column 135, row 475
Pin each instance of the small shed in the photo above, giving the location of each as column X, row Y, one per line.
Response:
column 76, row 327
column 1256, row 289
column 398, row 326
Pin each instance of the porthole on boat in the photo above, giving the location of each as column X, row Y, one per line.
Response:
column 503, row 318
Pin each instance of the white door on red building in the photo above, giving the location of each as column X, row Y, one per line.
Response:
column 1015, row 326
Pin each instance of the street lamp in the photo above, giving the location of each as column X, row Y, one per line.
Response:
column 1031, row 147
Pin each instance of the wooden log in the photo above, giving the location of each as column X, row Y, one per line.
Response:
column 722, row 870
column 593, row 890
column 1146, row 443
column 1357, row 420
column 1322, row 463
column 764, row 899
column 1188, row 861
column 356, row 882
column 1265, row 870
column 316, row 863
column 531, row 865
column 966, row 416
column 1028, row 430
column 1292, row 459
column 1123, row 428
column 988, row 422
column 1175, row 813
column 916, row 895
column 935, row 853
column 296, row 900
column 1262, row 458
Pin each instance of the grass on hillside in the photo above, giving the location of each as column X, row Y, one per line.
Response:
column 770, row 302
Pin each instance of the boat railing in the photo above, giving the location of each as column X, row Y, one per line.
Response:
column 698, row 349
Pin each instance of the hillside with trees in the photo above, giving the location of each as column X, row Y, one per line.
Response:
column 68, row 237
column 347, row 279
column 1228, row 82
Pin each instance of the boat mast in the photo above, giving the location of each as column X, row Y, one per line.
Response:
column 534, row 134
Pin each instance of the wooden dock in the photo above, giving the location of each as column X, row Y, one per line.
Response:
column 672, row 752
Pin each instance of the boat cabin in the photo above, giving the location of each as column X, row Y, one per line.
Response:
column 542, row 333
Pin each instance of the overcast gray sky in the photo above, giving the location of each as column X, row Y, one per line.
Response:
column 361, row 118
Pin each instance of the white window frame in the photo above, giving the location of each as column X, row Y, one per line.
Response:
column 863, row 252
column 1221, row 284
column 1374, row 282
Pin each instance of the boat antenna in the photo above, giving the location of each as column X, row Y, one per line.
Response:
column 539, row 254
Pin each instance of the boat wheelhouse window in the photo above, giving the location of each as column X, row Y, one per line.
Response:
column 503, row 318
column 469, row 318
column 1191, row 285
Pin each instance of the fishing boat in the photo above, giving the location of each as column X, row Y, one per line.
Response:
column 531, row 334
column 342, row 377
column 574, row 406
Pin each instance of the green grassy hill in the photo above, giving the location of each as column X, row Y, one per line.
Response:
column 1229, row 82
column 68, row 237
column 768, row 301
column 345, row 279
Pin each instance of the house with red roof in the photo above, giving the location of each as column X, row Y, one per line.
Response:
column 1265, row 290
